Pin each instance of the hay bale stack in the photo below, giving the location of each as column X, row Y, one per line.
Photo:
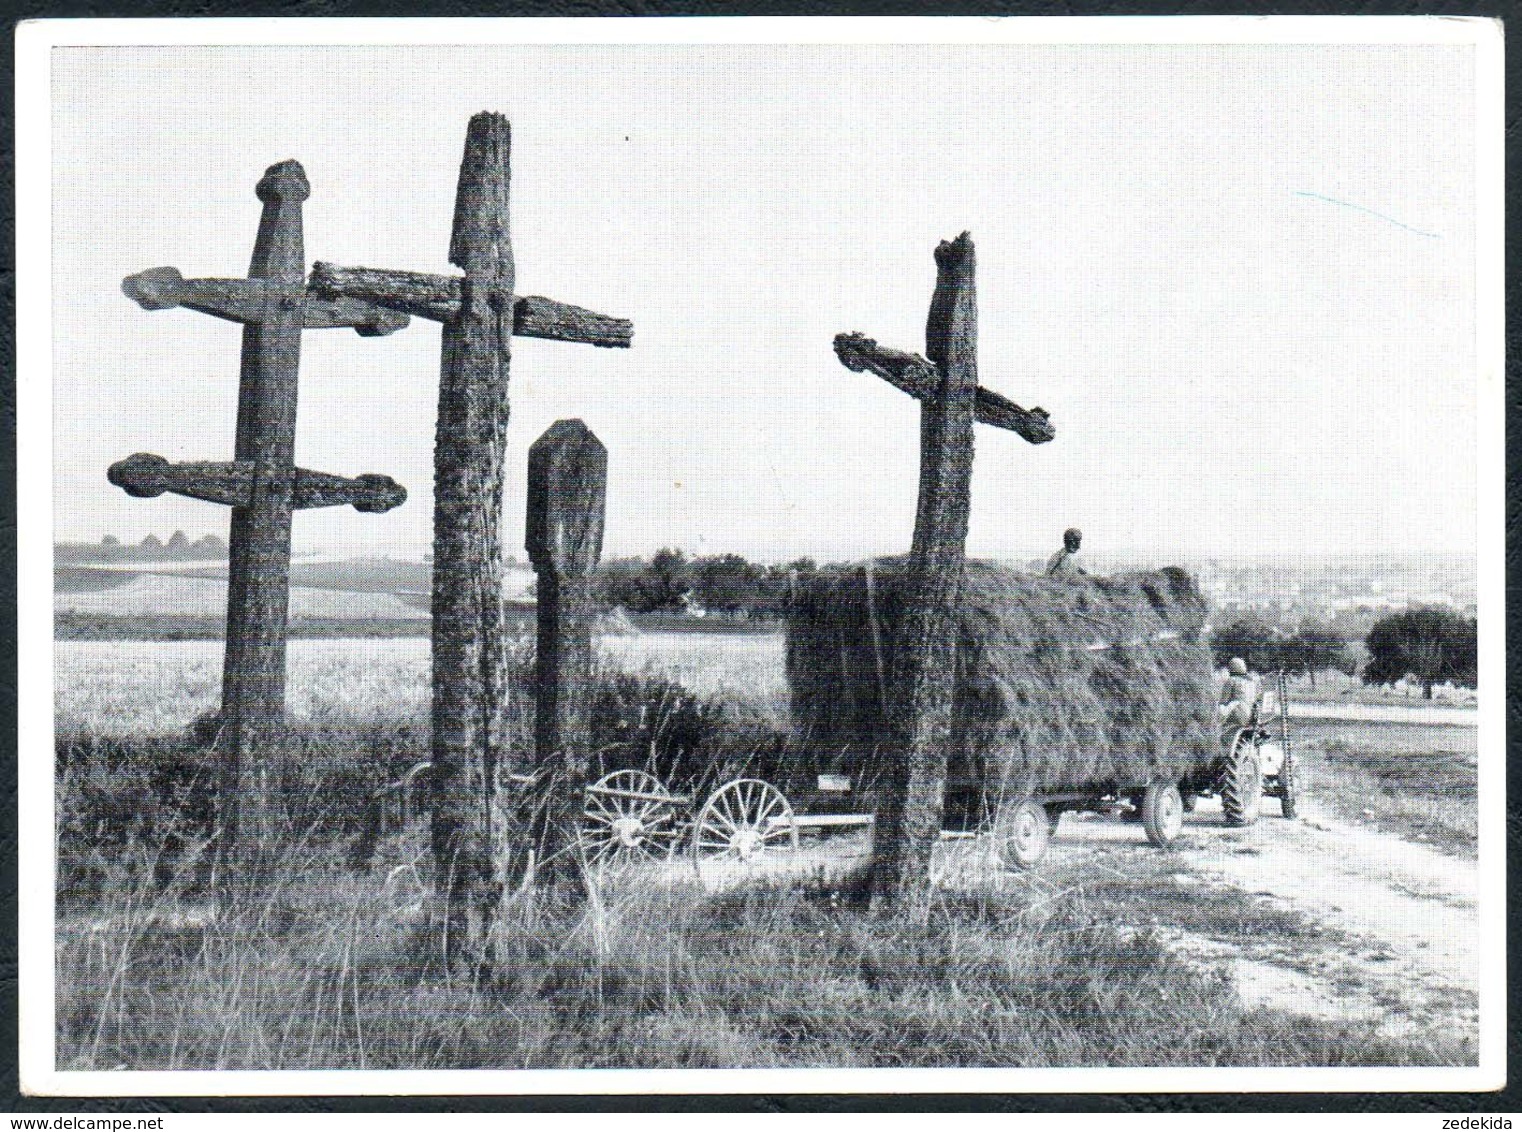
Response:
column 1062, row 684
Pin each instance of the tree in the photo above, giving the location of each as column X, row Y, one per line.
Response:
column 178, row 543
column 1316, row 648
column 1255, row 641
column 1429, row 643
column 670, row 577
column 152, row 544
column 728, row 583
column 110, row 540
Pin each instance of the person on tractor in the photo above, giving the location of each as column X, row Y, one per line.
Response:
column 1064, row 563
column 1240, row 697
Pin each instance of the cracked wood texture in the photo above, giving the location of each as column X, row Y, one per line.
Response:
column 262, row 486
column 438, row 297
column 145, row 476
column 471, row 834
column 479, row 845
column 567, row 492
column 909, row 823
column 259, row 542
column 917, row 377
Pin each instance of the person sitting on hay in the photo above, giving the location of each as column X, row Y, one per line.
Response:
column 1064, row 563
column 1240, row 697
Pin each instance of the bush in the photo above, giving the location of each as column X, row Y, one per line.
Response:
column 142, row 812
column 139, row 811
column 651, row 723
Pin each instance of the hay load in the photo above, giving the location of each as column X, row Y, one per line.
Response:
column 1062, row 684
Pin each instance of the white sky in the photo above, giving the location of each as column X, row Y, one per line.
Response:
column 1234, row 363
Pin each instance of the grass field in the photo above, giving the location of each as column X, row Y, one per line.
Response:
column 329, row 967
column 120, row 688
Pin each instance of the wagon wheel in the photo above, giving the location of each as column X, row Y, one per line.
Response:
column 617, row 830
column 1021, row 834
column 746, row 828
column 1162, row 813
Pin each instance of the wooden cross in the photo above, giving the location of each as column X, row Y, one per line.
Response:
column 567, row 492
column 480, row 313
column 946, row 384
column 261, row 484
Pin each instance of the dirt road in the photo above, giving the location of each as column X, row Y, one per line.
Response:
column 1361, row 925
column 1427, row 715
column 1314, row 916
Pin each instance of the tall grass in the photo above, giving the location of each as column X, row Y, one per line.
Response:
column 331, row 963
column 332, row 968
column 1428, row 796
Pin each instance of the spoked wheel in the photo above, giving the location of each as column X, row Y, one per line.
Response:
column 627, row 817
column 1162, row 813
column 746, row 829
column 1021, row 834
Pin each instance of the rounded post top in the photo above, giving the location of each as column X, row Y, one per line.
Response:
column 568, row 433
column 567, row 488
column 284, row 182
column 480, row 243
column 950, row 252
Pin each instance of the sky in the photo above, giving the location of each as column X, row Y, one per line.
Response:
column 1241, row 279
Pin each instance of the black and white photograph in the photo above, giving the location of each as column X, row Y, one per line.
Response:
column 753, row 555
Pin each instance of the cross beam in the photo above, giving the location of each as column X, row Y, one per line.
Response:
column 437, row 297
column 919, row 378
column 945, row 382
column 261, row 484
column 480, row 313
column 233, row 483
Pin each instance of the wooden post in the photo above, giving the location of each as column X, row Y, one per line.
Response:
column 567, row 489
column 946, row 384
column 480, row 314
column 263, row 487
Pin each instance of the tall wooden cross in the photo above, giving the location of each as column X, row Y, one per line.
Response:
column 480, row 313
column 261, row 484
column 946, row 384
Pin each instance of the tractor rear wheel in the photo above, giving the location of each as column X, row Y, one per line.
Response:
column 1242, row 786
column 1162, row 813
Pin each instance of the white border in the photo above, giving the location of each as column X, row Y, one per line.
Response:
column 34, row 41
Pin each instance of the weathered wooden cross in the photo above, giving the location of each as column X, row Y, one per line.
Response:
column 480, row 314
column 261, row 484
column 946, row 385
column 567, row 492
